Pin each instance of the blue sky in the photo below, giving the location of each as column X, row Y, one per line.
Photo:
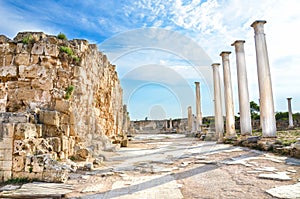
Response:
column 162, row 47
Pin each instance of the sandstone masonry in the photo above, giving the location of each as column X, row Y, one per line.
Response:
column 57, row 99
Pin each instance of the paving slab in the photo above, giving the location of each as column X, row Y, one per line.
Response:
column 281, row 176
column 39, row 190
column 287, row 191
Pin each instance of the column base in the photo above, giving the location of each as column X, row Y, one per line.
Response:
column 210, row 137
column 230, row 140
column 266, row 143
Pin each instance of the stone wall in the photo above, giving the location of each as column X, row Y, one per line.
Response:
column 159, row 126
column 56, row 98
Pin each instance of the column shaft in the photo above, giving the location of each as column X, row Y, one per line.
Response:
column 190, row 119
column 267, row 115
column 230, row 118
column 244, row 103
column 198, row 107
column 219, row 122
column 291, row 123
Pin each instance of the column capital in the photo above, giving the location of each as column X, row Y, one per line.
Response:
column 215, row 65
column 258, row 26
column 289, row 98
column 238, row 42
column 225, row 53
column 197, row 83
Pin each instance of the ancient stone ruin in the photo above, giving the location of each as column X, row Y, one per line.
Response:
column 59, row 99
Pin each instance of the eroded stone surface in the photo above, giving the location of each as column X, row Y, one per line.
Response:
column 288, row 191
column 57, row 104
column 282, row 176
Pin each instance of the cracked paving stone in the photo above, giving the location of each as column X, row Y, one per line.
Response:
column 281, row 176
column 287, row 191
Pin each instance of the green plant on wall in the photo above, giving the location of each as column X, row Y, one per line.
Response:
column 67, row 50
column 30, row 169
column 28, row 39
column 76, row 58
column 69, row 92
column 62, row 36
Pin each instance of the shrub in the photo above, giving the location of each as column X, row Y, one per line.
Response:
column 76, row 58
column 62, row 36
column 67, row 50
column 18, row 181
column 69, row 92
column 28, row 39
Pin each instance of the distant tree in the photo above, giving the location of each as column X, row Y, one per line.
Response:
column 282, row 116
column 254, row 110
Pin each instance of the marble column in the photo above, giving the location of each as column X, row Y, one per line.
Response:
column 198, row 107
column 171, row 126
column 267, row 114
column 291, row 123
column 244, row 103
column 190, row 119
column 230, row 118
column 219, row 122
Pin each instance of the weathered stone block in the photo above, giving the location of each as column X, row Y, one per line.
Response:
column 2, row 90
column 5, row 175
column 63, row 106
column 18, row 163
column 6, row 165
column 83, row 154
column 18, row 147
column 124, row 143
column 18, row 118
column 22, row 59
column 51, row 131
column 6, row 154
column 72, row 130
column 27, row 174
column 34, row 59
column 6, row 143
column 28, row 164
column 37, row 49
column 71, row 145
column 65, row 143
column 7, row 130
column 51, row 50
column 44, row 83
column 39, row 130
column 25, row 131
column 6, row 60
column 64, row 118
column 28, row 71
column 26, row 94
column 8, row 71
column 55, row 142
column 55, row 176
column 38, row 163
column 49, row 117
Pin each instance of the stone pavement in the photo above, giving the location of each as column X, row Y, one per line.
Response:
column 174, row 166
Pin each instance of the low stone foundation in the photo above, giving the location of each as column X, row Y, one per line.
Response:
column 268, row 144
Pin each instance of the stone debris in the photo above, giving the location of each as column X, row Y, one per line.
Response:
column 94, row 188
column 281, row 176
column 9, row 187
column 236, row 161
column 287, row 191
column 269, row 169
column 292, row 171
column 38, row 189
